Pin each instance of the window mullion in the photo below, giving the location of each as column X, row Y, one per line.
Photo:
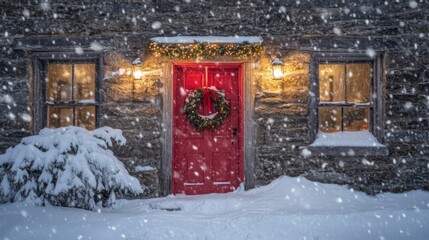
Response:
column 373, row 102
column 73, row 95
column 42, row 85
column 345, row 83
column 345, row 97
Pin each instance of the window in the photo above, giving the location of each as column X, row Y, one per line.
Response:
column 70, row 95
column 346, row 103
column 344, row 97
column 67, row 88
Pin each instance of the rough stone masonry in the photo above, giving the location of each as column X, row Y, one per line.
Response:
column 294, row 29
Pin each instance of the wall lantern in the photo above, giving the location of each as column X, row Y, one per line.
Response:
column 277, row 65
column 137, row 69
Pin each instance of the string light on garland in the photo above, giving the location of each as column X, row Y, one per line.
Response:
column 203, row 49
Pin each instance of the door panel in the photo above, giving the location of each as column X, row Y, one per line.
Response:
column 195, row 168
column 221, row 168
column 193, row 78
column 189, row 79
column 206, row 161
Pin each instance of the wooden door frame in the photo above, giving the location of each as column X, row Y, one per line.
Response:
column 247, row 138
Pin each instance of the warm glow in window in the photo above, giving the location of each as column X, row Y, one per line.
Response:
column 70, row 95
column 344, row 97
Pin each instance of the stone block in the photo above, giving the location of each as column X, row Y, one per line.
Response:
column 122, row 92
column 406, row 137
column 134, row 41
column 70, row 42
column 296, row 95
column 11, row 137
column 288, row 109
column 270, row 87
column 7, row 42
column 14, row 68
column 14, row 92
column 132, row 109
column 403, row 77
column 149, row 180
column 297, row 80
column 139, row 124
column 10, row 53
column 423, row 89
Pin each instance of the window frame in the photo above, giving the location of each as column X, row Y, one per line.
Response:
column 376, row 91
column 40, row 63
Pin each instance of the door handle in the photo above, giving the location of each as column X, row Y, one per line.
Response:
column 234, row 131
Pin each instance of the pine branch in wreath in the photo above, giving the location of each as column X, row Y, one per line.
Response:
column 193, row 103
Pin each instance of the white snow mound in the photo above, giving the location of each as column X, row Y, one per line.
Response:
column 288, row 208
column 67, row 166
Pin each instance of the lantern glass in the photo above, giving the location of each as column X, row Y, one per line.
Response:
column 137, row 69
column 277, row 65
column 137, row 73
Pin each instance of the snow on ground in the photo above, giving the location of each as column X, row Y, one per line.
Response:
column 288, row 208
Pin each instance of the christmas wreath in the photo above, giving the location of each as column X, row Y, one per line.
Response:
column 206, row 95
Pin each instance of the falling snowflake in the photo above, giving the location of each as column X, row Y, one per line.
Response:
column 45, row 6
column 337, row 31
column 96, row 46
column 11, row 116
column 156, row 25
column 78, row 50
column 26, row 117
column 408, row 105
column 305, row 153
column 370, row 52
column 412, row 4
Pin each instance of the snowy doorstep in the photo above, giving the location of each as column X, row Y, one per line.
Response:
column 288, row 208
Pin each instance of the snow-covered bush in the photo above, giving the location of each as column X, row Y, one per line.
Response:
column 67, row 166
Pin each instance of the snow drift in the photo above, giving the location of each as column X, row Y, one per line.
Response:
column 286, row 209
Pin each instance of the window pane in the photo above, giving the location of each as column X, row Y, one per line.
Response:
column 358, row 82
column 59, row 83
column 60, row 116
column 356, row 119
column 331, row 82
column 85, row 117
column 84, row 75
column 329, row 119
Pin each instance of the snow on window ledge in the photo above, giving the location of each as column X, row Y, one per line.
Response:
column 208, row 39
column 361, row 143
column 347, row 139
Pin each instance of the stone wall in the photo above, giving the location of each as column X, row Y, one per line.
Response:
column 134, row 106
column 293, row 29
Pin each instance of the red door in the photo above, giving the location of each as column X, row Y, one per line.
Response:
column 209, row 161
